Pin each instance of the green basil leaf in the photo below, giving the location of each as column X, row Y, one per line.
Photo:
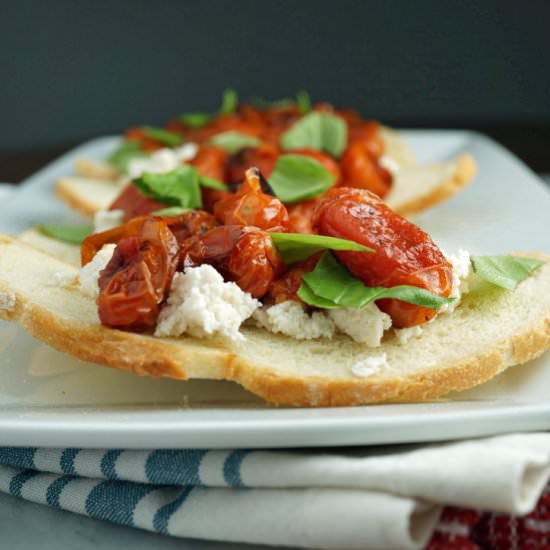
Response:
column 180, row 187
column 332, row 281
column 73, row 234
column 296, row 178
column 121, row 157
column 212, row 183
column 230, row 102
column 196, row 120
column 317, row 130
column 303, row 102
column 294, row 247
column 170, row 211
column 233, row 142
column 504, row 271
column 170, row 139
column 229, row 105
column 309, row 297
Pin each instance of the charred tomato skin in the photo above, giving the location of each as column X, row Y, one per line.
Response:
column 137, row 279
column 403, row 253
column 245, row 255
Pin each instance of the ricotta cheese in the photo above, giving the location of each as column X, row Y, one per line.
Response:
column 107, row 219
column 163, row 160
column 365, row 325
column 291, row 318
column 202, row 304
column 462, row 271
column 370, row 365
column 89, row 274
column 7, row 301
column 406, row 334
column 63, row 278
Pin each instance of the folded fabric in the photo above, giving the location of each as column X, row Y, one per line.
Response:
column 358, row 498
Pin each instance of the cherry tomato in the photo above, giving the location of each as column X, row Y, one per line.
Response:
column 211, row 162
column 300, row 216
column 146, row 143
column 134, row 203
column 264, row 157
column 403, row 253
column 286, row 287
column 137, row 279
column 250, row 206
column 245, row 255
column 193, row 222
column 362, row 170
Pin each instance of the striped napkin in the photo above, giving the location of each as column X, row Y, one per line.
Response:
column 358, row 498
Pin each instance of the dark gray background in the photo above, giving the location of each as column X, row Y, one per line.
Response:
column 70, row 70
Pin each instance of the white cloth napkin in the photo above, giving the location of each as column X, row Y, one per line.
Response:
column 388, row 497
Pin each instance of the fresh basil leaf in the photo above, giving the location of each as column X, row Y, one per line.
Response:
column 180, row 187
column 212, row 183
column 309, row 297
column 296, row 178
column 504, row 271
column 196, row 120
column 170, row 139
column 303, row 102
column 73, row 234
column 317, row 130
column 230, row 102
column 121, row 157
column 294, row 247
column 170, row 211
column 233, row 142
column 332, row 281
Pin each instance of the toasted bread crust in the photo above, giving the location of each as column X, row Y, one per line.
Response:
column 462, row 176
column 74, row 200
column 184, row 358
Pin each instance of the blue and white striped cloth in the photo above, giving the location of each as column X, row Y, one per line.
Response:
column 361, row 498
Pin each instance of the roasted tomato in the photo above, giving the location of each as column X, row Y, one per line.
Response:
column 146, row 143
column 361, row 168
column 134, row 203
column 286, row 287
column 300, row 216
column 264, row 157
column 211, row 162
column 245, row 255
column 137, row 279
column 251, row 206
column 193, row 222
column 403, row 253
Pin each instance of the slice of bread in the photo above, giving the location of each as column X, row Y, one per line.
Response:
column 416, row 187
column 95, row 169
column 87, row 195
column 68, row 253
column 491, row 330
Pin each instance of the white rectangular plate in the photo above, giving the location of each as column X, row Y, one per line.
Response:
column 50, row 399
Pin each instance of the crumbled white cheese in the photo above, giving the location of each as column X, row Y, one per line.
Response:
column 163, row 160
column 107, row 219
column 202, row 304
column 63, row 278
column 365, row 325
column 389, row 164
column 406, row 334
column 7, row 301
column 291, row 318
column 462, row 271
column 89, row 274
column 370, row 365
